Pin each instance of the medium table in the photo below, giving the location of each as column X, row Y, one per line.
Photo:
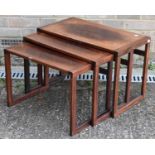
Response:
column 93, row 56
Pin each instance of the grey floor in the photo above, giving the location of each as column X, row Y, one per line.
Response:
column 47, row 115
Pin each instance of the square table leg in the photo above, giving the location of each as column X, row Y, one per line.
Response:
column 40, row 79
column 95, row 94
column 46, row 76
column 116, row 85
column 129, row 77
column 109, row 85
column 27, row 75
column 145, row 69
column 73, row 106
column 8, row 78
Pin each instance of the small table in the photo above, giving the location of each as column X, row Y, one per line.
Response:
column 85, row 53
column 64, row 63
column 115, row 41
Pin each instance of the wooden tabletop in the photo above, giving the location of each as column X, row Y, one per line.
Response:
column 97, row 35
column 73, row 49
column 48, row 57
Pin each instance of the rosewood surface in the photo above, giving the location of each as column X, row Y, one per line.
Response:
column 97, row 35
column 73, row 49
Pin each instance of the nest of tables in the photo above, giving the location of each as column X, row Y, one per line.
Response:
column 75, row 46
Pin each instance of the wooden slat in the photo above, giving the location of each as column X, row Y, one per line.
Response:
column 124, row 107
column 97, row 35
column 32, row 93
column 139, row 52
column 48, row 57
column 124, row 62
column 103, row 71
column 73, row 49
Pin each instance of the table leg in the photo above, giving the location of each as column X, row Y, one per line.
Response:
column 7, row 57
column 145, row 69
column 60, row 73
column 129, row 77
column 108, row 89
column 46, row 76
column 27, row 75
column 116, row 86
column 95, row 94
column 40, row 80
column 73, row 105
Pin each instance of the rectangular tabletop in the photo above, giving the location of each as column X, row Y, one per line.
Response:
column 50, row 58
column 100, row 36
column 69, row 48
